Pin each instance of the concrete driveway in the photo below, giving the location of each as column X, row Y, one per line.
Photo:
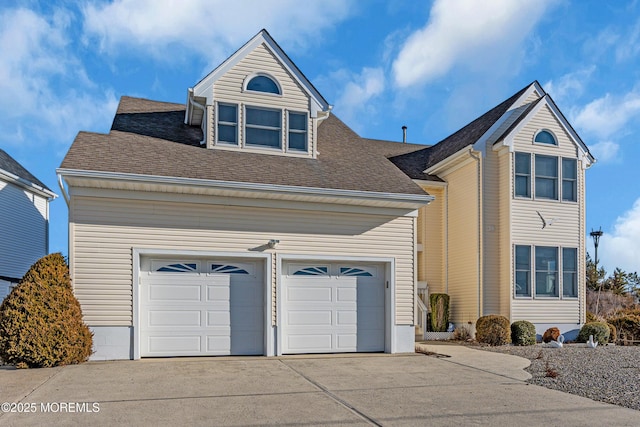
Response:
column 469, row 388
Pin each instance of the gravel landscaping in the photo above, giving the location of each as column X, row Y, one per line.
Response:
column 607, row 373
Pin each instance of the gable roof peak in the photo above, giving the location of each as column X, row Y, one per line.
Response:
column 204, row 88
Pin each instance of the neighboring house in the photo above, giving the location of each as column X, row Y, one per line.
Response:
column 253, row 221
column 24, row 221
column 506, row 232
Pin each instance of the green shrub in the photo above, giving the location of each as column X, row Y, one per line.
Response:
column 41, row 320
column 439, row 312
column 599, row 330
column 613, row 333
column 523, row 333
column 493, row 330
column 627, row 324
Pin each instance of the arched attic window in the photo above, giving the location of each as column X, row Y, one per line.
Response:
column 262, row 83
column 545, row 137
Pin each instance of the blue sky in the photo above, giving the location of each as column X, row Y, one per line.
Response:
column 430, row 65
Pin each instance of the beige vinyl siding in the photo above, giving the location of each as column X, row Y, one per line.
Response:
column 431, row 226
column 532, row 97
column 463, row 236
column 104, row 231
column 228, row 88
column 23, row 229
column 506, row 264
column 567, row 229
column 491, row 241
column 546, row 310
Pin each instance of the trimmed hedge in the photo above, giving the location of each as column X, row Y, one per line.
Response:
column 41, row 320
column 493, row 330
column 439, row 312
column 523, row 333
column 599, row 330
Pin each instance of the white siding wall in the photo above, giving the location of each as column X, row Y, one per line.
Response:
column 23, row 229
column 566, row 231
column 228, row 88
column 104, row 231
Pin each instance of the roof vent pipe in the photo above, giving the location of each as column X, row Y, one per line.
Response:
column 404, row 134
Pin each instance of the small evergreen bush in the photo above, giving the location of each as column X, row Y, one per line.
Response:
column 613, row 333
column 599, row 330
column 439, row 312
column 493, row 330
column 41, row 320
column 523, row 333
column 627, row 323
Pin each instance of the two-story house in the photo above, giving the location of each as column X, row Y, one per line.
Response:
column 24, row 221
column 506, row 232
column 251, row 220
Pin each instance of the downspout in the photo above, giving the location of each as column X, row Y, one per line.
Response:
column 477, row 158
column 204, row 118
column 64, row 192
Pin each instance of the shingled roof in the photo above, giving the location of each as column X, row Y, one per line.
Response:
column 9, row 164
column 150, row 138
column 413, row 164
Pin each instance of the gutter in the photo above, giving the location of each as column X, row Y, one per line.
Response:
column 15, row 179
column 203, row 125
column 416, row 200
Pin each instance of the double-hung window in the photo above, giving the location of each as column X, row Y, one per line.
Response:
column 297, row 136
column 523, row 271
column 523, row 175
column 546, row 271
column 551, row 272
column 570, row 272
column 263, row 127
column 546, row 181
column 569, row 180
column 227, row 123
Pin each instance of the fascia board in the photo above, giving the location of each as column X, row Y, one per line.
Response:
column 508, row 139
column 444, row 164
column 27, row 185
column 413, row 200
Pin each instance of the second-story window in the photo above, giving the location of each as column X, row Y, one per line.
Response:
column 523, row 175
column 297, row 139
column 263, row 127
column 569, row 180
column 227, row 123
column 546, row 177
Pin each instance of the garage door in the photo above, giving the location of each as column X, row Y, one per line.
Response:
column 202, row 307
column 330, row 308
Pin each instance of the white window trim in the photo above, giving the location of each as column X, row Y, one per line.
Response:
column 532, row 274
column 555, row 138
column 306, row 131
column 251, row 76
column 218, row 122
column 562, row 179
column 245, row 126
column 531, row 176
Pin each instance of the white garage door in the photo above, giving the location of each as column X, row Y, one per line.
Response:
column 202, row 307
column 331, row 308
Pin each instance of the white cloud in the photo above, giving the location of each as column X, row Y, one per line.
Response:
column 608, row 115
column 35, row 64
column 359, row 90
column 621, row 247
column 630, row 45
column 208, row 27
column 570, row 85
column 605, row 151
column 480, row 35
